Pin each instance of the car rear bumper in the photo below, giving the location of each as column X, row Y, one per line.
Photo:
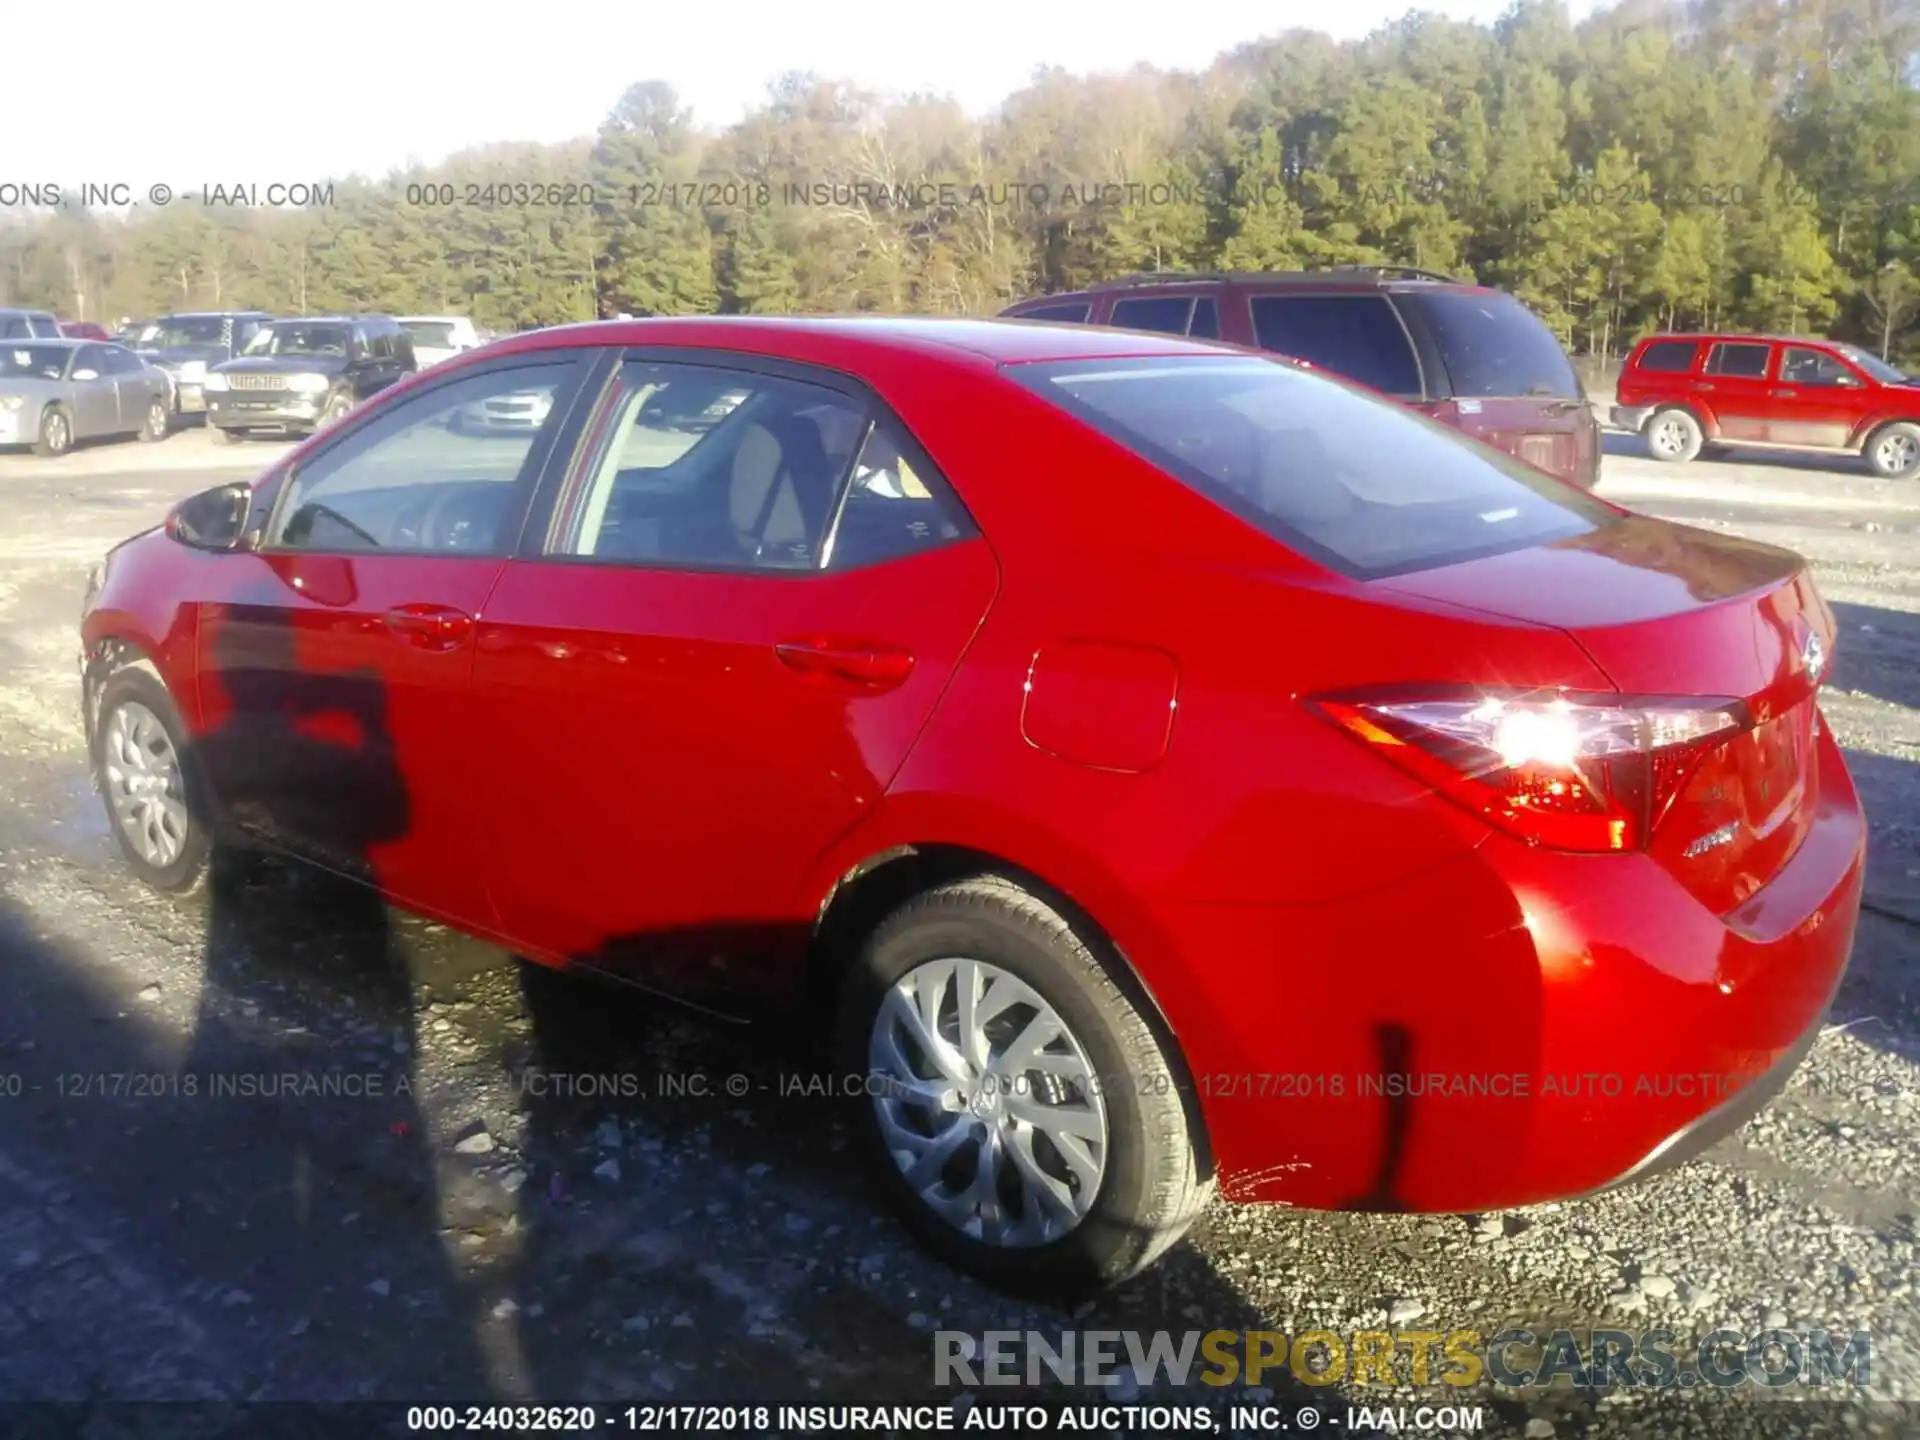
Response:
column 1632, row 418
column 1512, row 1027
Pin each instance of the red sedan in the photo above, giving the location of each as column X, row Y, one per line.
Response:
column 1168, row 764
column 83, row 330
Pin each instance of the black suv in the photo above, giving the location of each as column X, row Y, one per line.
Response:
column 1471, row 357
column 189, row 344
column 28, row 325
column 299, row 375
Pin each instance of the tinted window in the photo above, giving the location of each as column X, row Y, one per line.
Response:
column 1166, row 313
column 1801, row 366
column 1747, row 361
column 119, row 362
column 380, row 345
column 39, row 362
column 1205, row 324
column 1365, row 487
column 1492, row 345
column 178, row 332
column 442, row 471
column 1070, row 314
column 1358, row 336
column 295, row 337
column 46, row 325
column 14, row 327
column 895, row 504
column 708, row 468
column 1668, row 357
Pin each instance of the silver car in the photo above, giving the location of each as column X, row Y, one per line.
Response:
column 54, row 393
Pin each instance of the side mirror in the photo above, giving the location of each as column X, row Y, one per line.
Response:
column 86, row 374
column 214, row 519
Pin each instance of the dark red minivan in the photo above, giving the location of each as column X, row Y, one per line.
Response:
column 1471, row 357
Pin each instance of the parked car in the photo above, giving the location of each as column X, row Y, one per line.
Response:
column 298, row 376
column 188, row 344
column 1685, row 393
column 83, row 330
column 1471, row 357
column 55, row 393
column 519, row 412
column 29, row 325
column 1155, row 766
column 439, row 337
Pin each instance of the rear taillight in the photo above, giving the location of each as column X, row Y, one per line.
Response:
column 1569, row 772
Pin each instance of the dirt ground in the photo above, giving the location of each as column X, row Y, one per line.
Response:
column 514, row 1204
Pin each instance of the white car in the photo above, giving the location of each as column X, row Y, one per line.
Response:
column 439, row 337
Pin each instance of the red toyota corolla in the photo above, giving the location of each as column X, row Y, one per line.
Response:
column 1168, row 763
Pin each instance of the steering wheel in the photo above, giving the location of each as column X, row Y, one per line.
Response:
column 424, row 525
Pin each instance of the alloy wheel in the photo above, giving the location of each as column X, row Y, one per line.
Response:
column 144, row 784
column 1669, row 437
column 987, row 1103
column 1897, row 453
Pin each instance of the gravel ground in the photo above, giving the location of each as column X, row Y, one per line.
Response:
column 457, row 1229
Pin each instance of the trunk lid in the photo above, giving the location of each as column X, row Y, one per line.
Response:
column 1557, row 435
column 1670, row 610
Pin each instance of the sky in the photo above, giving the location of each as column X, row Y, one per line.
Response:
column 299, row 92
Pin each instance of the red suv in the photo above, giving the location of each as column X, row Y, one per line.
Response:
column 1472, row 358
column 1159, row 763
column 1686, row 392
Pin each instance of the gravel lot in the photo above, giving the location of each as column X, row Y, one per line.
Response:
column 461, row 1230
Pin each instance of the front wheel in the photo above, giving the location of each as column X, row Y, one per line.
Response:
column 1674, row 435
column 1017, row 1108
column 159, row 421
column 1894, row 451
column 56, row 432
column 144, row 772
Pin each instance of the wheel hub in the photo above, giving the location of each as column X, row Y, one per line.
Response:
column 989, row 1106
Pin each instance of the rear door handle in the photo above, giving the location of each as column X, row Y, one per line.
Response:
column 878, row 667
column 431, row 627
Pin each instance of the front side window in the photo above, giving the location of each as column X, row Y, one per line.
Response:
column 1800, row 366
column 182, row 332
column 707, row 468
column 1357, row 336
column 1167, row 314
column 120, row 362
column 446, row 471
column 1745, row 362
column 1365, row 487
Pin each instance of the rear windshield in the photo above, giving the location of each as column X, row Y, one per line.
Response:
column 1492, row 345
column 1353, row 481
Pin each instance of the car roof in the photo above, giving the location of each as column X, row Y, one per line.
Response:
column 1393, row 278
column 437, row 319
column 70, row 341
column 1744, row 337
column 983, row 342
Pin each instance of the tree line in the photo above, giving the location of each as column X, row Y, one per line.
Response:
column 1663, row 163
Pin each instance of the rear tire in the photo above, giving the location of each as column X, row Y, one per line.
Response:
column 1674, row 436
column 1894, row 450
column 1095, row 1174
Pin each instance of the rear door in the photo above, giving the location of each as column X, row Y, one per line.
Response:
column 1359, row 337
column 1163, row 314
column 96, row 399
column 1818, row 399
column 711, row 661
column 1733, row 386
column 1497, row 373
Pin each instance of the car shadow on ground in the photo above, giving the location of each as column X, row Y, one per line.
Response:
column 667, row 1208
column 1877, row 653
column 1628, row 446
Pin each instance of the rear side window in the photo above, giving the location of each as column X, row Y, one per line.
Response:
column 1070, row 314
column 1492, row 346
column 1668, row 357
column 1364, row 487
column 1358, row 336
column 1165, row 313
column 1742, row 361
column 1205, row 324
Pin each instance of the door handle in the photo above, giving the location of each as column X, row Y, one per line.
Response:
column 1702, row 385
column 432, row 627
column 1786, row 394
column 878, row 667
